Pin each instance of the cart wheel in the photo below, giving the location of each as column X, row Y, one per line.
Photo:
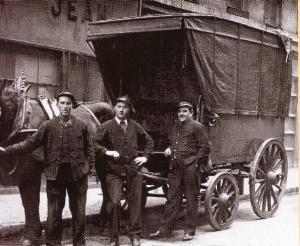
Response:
column 221, row 200
column 268, row 177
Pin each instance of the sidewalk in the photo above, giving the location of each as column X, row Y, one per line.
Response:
column 12, row 217
column 12, row 214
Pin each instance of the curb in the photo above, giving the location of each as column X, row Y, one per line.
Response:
column 10, row 230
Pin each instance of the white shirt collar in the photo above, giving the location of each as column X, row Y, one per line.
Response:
column 118, row 121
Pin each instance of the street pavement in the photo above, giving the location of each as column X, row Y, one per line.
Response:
column 12, row 219
column 247, row 230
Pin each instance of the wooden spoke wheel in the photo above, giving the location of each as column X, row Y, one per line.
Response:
column 268, row 176
column 221, row 200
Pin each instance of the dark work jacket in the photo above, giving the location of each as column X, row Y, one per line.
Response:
column 112, row 137
column 49, row 135
column 189, row 142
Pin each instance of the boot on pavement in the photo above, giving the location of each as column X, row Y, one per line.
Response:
column 188, row 236
column 160, row 234
column 27, row 242
column 135, row 242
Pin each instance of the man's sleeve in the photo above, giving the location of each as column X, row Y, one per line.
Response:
column 149, row 145
column 31, row 143
column 204, row 143
column 101, row 135
column 89, row 148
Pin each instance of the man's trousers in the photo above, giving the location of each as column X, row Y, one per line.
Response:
column 56, row 193
column 181, row 178
column 115, row 186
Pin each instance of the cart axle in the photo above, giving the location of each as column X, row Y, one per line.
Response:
column 272, row 178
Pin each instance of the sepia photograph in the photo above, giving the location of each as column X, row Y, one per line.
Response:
column 149, row 123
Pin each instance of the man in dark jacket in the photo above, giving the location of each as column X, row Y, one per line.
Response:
column 69, row 156
column 189, row 150
column 118, row 140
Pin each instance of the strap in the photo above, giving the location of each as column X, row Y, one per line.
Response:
column 50, row 106
column 46, row 106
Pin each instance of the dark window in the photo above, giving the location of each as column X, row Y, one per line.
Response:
column 237, row 7
column 272, row 14
column 101, row 13
column 236, row 4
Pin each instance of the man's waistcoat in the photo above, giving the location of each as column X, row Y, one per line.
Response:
column 53, row 148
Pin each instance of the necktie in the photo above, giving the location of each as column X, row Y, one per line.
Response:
column 123, row 125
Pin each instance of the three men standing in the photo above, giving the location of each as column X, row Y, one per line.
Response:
column 119, row 140
column 189, row 150
column 69, row 156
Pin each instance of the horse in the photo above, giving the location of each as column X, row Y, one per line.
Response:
column 21, row 116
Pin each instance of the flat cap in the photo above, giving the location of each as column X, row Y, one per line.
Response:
column 67, row 94
column 185, row 104
column 124, row 99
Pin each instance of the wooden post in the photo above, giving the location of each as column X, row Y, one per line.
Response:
column 65, row 67
column 240, row 181
column 139, row 12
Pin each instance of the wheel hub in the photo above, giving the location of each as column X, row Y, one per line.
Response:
column 272, row 178
column 223, row 199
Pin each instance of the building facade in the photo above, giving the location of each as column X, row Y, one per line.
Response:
column 47, row 40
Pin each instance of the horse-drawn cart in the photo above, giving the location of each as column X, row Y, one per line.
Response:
column 239, row 78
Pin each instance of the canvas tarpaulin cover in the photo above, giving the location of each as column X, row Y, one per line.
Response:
column 240, row 69
column 236, row 68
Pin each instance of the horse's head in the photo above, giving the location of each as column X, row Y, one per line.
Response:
column 8, row 101
column 11, row 93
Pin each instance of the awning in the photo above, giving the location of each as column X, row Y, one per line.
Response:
column 110, row 28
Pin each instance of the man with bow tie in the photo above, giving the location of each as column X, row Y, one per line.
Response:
column 118, row 140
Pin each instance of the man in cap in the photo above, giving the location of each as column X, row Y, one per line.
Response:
column 69, row 156
column 118, row 140
column 189, row 150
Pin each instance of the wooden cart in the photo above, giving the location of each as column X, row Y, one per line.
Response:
column 239, row 79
